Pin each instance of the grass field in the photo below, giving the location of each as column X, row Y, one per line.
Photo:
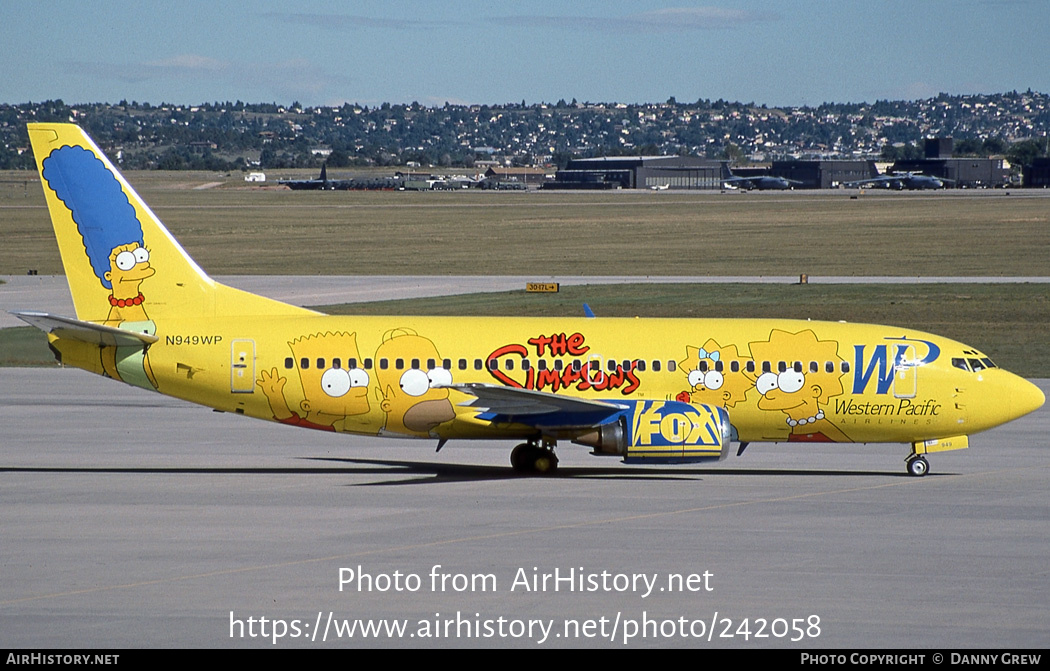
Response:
column 1006, row 321
column 234, row 229
column 231, row 228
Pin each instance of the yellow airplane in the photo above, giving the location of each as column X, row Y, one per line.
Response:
column 644, row 390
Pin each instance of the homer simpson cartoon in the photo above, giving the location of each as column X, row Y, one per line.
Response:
column 409, row 393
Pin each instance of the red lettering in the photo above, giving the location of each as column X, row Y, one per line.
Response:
column 576, row 346
column 548, row 377
column 540, row 343
column 589, row 377
column 634, row 382
column 499, row 374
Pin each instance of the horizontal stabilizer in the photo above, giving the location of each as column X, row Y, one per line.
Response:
column 75, row 329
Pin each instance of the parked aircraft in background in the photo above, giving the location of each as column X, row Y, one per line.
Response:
column 322, row 183
column 902, row 180
column 760, row 182
column 643, row 390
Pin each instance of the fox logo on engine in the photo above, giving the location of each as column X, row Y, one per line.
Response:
column 668, row 423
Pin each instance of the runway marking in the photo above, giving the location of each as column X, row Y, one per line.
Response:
column 522, row 532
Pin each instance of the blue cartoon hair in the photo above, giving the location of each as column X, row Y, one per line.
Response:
column 101, row 210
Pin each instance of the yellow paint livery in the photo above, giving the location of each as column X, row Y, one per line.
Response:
column 663, row 390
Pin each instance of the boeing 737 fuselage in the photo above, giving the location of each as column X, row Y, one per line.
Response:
column 644, row 390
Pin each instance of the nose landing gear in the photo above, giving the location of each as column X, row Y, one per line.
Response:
column 917, row 465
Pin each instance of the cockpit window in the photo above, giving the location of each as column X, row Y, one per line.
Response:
column 976, row 364
column 960, row 363
column 988, row 363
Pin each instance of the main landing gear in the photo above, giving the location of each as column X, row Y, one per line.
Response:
column 917, row 465
column 532, row 458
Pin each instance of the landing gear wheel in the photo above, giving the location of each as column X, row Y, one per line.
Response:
column 520, row 459
column 918, row 466
column 526, row 458
column 544, row 462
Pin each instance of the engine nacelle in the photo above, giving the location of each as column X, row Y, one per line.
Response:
column 663, row 432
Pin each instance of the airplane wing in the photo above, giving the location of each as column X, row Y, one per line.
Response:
column 74, row 329
column 537, row 408
column 883, row 179
column 736, row 180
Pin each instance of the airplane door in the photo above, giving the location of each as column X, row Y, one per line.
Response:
column 905, row 372
column 595, row 374
column 242, row 366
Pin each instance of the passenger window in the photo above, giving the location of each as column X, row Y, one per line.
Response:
column 541, row 364
column 558, row 364
column 446, row 364
column 415, row 364
column 493, row 364
column 814, row 367
column 462, row 364
column 719, row 366
column 766, row 368
column 845, row 366
column 829, row 366
column 304, row 363
column 750, row 367
column 320, row 363
column 525, row 364
column 399, row 364
column 798, row 366
column 577, row 365
column 336, row 363
column 289, row 362
column 368, row 364
column 640, row 365
column 478, row 364
column 508, row 364
column 610, row 365
column 351, row 363
column 656, row 366
column 734, row 366
column 383, row 364
column 781, row 367
column 672, row 365
column 703, row 366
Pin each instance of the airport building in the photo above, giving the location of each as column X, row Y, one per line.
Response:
column 823, row 174
column 639, row 172
column 964, row 173
column 1037, row 175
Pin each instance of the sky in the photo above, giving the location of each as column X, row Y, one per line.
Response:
column 776, row 52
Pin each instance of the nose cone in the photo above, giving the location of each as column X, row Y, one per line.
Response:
column 1000, row 397
column 1025, row 398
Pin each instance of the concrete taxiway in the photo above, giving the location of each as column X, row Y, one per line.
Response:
column 128, row 519
column 50, row 293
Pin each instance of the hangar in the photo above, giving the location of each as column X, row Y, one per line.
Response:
column 823, row 174
column 639, row 172
column 964, row 172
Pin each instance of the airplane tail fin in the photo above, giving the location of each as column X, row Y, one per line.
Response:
column 121, row 263
column 726, row 172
